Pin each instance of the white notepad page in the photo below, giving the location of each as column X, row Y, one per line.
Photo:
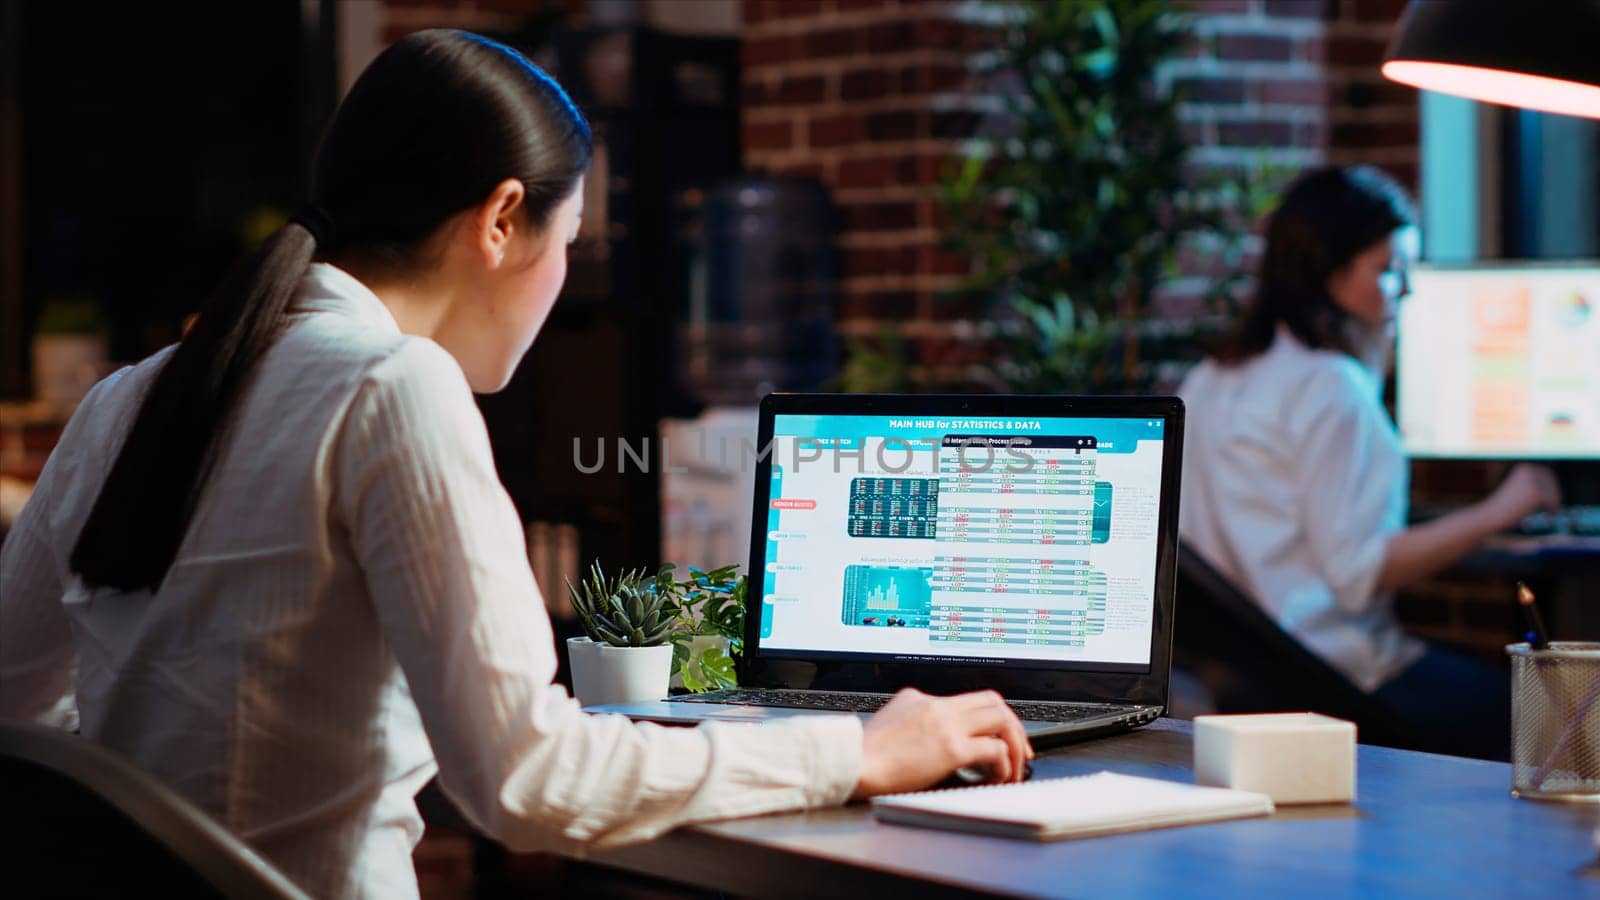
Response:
column 1102, row 803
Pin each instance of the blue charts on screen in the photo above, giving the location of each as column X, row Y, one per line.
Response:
column 998, row 539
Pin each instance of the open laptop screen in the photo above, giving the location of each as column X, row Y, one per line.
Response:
column 973, row 541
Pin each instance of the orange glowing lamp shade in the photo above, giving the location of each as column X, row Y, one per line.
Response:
column 1520, row 89
column 1541, row 55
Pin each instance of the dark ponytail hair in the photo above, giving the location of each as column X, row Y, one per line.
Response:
column 1326, row 218
column 428, row 130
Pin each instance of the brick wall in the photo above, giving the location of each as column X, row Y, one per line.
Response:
column 872, row 97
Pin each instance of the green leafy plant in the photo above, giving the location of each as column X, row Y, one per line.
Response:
column 638, row 610
column 711, row 605
column 630, row 610
column 1075, row 199
column 1075, row 212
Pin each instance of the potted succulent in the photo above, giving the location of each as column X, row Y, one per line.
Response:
column 69, row 349
column 646, row 632
column 629, row 621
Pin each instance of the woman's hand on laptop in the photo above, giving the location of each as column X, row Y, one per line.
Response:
column 916, row 739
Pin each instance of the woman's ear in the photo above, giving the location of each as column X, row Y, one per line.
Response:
column 499, row 219
column 1338, row 284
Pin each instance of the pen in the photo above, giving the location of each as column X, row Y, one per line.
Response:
column 1535, row 636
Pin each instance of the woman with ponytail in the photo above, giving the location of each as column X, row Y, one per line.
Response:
column 274, row 565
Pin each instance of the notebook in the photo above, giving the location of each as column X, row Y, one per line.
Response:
column 1055, row 808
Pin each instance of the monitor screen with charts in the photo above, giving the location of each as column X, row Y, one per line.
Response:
column 1026, row 540
column 1500, row 363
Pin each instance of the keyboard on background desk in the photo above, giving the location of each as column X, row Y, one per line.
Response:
column 1581, row 521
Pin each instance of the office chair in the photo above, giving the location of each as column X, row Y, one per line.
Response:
column 86, row 823
column 1250, row 664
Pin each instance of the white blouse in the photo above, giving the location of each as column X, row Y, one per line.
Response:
column 1293, row 484
column 353, row 602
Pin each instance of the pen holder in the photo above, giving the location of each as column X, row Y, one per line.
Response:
column 1555, row 721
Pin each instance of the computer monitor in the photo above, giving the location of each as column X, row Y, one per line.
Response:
column 1500, row 362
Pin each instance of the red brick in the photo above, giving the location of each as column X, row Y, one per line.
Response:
column 768, row 50
column 955, row 305
column 923, row 169
column 880, row 216
column 1303, row 9
column 795, row 9
column 1312, row 50
column 942, row 33
column 40, row 439
column 937, row 262
column 955, row 124
column 864, row 84
column 870, row 172
column 768, row 135
column 1374, row 134
column 863, row 261
column 754, row 11
column 853, row 5
column 807, row 170
column 1310, row 134
column 1268, row 133
column 878, row 305
column 900, row 125
column 1348, row 50
column 1254, row 47
column 1299, row 93
column 833, row 42
column 932, row 78
column 890, row 36
column 1194, row 133
column 1212, row 90
column 869, row 261
column 949, row 34
column 831, row 131
column 808, row 89
column 1377, row 10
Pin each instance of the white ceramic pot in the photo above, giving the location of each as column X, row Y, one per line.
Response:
column 603, row 674
column 66, row 366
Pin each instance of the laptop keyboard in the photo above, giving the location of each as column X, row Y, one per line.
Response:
column 834, row 701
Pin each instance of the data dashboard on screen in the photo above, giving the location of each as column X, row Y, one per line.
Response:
column 1500, row 362
column 922, row 538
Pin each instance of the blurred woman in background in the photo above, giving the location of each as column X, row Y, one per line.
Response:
column 1294, row 484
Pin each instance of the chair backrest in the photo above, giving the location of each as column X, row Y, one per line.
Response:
column 1252, row 665
column 85, row 822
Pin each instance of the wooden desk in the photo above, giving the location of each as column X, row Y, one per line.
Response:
column 1422, row 825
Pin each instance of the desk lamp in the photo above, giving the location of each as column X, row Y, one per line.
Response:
column 1542, row 55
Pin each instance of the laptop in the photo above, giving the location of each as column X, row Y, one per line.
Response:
column 1025, row 544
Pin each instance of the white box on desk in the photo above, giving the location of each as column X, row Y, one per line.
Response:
column 1291, row 757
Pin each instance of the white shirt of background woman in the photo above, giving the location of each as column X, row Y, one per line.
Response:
column 1293, row 484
